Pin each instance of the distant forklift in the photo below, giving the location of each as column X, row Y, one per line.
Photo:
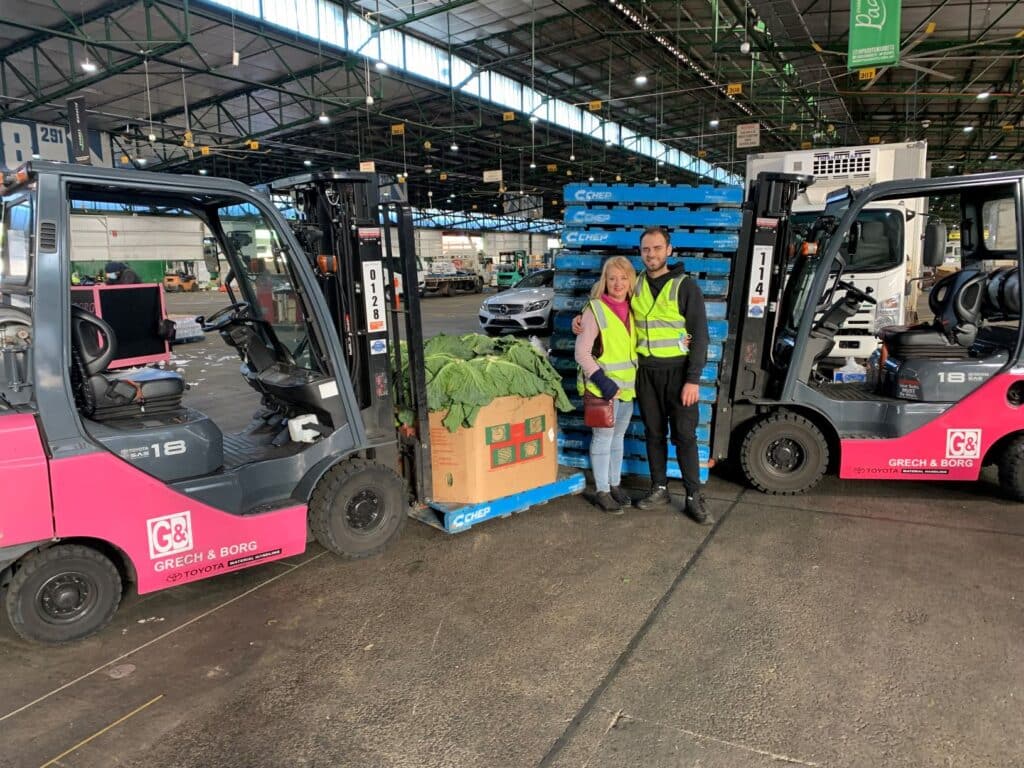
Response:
column 510, row 268
column 941, row 399
column 111, row 476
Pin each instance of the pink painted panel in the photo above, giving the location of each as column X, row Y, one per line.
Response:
column 951, row 447
column 25, row 511
column 170, row 538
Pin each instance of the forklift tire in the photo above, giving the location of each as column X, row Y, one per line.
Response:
column 784, row 454
column 1011, row 469
column 358, row 508
column 63, row 593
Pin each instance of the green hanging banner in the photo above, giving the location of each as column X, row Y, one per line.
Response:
column 874, row 33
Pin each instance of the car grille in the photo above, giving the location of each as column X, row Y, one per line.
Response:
column 506, row 309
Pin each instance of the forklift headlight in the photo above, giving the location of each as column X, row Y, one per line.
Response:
column 537, row 305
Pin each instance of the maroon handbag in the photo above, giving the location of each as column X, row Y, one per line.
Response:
column 598, row 412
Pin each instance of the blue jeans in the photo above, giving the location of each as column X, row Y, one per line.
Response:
column 606, row 448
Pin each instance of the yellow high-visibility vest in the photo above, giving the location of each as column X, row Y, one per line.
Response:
column 660, row 327
column 618, row 356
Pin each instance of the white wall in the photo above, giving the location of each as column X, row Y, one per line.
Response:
column 97, row 237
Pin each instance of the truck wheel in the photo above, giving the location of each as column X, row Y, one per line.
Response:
column 63, row 593
column 1011, row 469
column 478, row 286
column 784, row 453
column 358, row 508
column 446, row 289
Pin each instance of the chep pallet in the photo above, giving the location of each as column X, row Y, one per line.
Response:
column 455, row 518
column 644, row 194
column 577, row 216
column 577, row 261
column 629, row 466
column 629, row 239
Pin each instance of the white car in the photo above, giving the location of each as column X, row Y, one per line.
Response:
column 525, row 307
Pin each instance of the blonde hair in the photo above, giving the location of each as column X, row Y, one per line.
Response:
column 615, row 262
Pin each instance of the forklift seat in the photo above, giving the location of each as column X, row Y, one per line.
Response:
column 101, row 395
column 956, row 301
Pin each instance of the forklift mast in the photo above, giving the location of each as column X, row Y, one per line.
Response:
column 344, row 222
column 755, row 292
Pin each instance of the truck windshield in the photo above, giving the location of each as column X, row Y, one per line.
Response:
column 15, row 241
column 880, row 246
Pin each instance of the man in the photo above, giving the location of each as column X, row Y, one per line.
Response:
column 119, row 273
column 672, row 345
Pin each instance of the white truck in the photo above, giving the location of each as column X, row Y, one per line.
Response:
column 445, row 276
column 888, row 254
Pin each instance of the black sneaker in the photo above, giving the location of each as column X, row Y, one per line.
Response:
column 621, row 496
column 695, row 509
column 658, row 497
column 607, row 504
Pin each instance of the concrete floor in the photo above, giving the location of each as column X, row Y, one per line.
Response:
column 864, row 624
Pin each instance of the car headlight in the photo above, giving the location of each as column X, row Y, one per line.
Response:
column 537, row 305
column 887, row 312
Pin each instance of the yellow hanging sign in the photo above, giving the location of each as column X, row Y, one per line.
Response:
column 874, row 139
column 805, row 145
column 443, row 177
column 253, row 144
column 204, row 150
column 552, row 167
column 868, row 73
column 508, row 117
column 595, row 106
column 398, row 129
column 734, row 89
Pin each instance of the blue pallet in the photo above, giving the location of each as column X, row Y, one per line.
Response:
column 563, row 303
column 455, row 518
column 570, row 284
column 704, row 409
column 718, row 330
column 580, row 216
column 567, row 364
column 632, row 447
column 630, row 239
column 576, row 261
column 629, row 466
column 649, row 193
column 572, row 423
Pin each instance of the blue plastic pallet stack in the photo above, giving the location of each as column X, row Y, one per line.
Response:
column 603, row 220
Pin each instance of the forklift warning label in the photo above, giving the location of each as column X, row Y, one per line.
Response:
column 373, row 295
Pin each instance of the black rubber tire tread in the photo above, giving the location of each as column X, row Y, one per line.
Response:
column 1011, row 469
column 446, row 289
column 796, row 427
column 29, row 627
column 338, row 483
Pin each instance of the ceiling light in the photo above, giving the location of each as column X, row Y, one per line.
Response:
column 951, row 167
column 36, row 155
column 152, row 137
column 203, row 171
column 88, row 66
column 745, row 47
column 141, row 161
column 533, row 118
column 533, row 165
column 572, row 158
column 993, row 156
column 454, row 147
column 381, row 66
column 641, row 80
column 984, row 95
column 608, row 143
column 307, row 163
column 591, row 178
column 968, row 128
column 713, row 122
column 324, row 119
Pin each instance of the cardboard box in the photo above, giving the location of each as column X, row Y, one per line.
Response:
column 511, row 448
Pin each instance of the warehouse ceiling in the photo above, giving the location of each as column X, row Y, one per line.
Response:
column 162, row 68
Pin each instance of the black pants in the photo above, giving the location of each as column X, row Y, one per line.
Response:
column 658, row 390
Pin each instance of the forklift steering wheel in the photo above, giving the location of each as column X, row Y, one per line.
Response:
column 856, row 293
column 235, row 312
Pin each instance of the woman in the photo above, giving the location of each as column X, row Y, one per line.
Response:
column 606, row 354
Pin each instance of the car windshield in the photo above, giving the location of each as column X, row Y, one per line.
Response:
column 537, row 280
